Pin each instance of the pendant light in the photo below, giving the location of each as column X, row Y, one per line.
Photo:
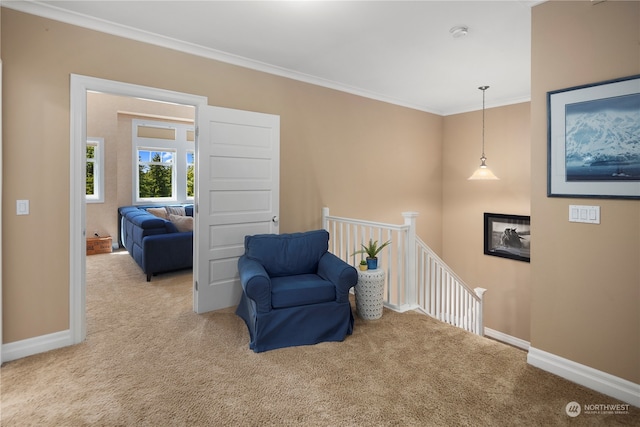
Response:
column 483, row 172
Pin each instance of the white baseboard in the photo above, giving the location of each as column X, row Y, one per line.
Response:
column 508, row 339
column 31, row 346
column 594, row 379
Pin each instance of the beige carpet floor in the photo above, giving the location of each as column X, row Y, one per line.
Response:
column 150, row 361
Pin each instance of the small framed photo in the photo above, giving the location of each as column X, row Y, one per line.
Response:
column 507, row 236
column 594, row 140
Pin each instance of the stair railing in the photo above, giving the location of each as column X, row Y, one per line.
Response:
column 416, row 278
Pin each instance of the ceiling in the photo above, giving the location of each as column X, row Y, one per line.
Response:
column 394, row 51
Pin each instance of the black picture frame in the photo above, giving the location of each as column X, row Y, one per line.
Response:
column 507, row 236
column 593, row 140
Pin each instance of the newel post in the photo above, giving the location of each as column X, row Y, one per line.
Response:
column 411, row 258
column 480, row 325
column 325, row 221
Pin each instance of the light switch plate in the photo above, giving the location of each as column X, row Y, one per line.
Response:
column 586, row 214
column 22, row 207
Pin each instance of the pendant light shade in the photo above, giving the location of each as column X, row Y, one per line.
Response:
column 483, row 172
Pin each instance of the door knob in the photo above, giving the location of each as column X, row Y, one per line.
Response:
column 275, row 218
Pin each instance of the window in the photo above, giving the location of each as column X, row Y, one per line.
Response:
column 156, row 174
column 164, row 161
column 95, row 170
column 191, row 168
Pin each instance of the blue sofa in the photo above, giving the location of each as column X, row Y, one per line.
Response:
column 155, row 243
column 295, row 292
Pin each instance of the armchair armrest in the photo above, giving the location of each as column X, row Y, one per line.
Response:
column 338, row 272
column 255, row 282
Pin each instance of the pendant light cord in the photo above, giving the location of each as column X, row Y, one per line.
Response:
column 483, row 89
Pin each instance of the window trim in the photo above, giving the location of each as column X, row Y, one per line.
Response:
column 98, row 169
column 180, row 147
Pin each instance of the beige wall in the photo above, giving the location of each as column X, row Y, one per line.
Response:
column 507, row 147
column 109, row 117
column 585, row 284
column 360, row 157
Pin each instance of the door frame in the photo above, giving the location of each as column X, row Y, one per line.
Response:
column 79, row 85
column 1, row 149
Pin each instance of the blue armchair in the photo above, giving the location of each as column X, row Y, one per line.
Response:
column 295, row 292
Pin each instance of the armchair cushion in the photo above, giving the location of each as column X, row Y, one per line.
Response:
column 303, row 289
column 289, row 254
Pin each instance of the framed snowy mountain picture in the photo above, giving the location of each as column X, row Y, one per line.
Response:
column 594, row 140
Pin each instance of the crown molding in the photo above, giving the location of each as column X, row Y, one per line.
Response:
column 495, row 104
column 50, row 11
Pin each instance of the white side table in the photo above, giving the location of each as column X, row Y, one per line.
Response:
column 370, row 294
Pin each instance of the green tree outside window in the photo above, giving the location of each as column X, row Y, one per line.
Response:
column 190, row 175
column 155, row 174
column 90, row 190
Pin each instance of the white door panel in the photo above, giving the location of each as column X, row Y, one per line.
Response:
column 237, row 194
column 221, row 270
column 241, row 170
column 247, row 202
column 238, row 135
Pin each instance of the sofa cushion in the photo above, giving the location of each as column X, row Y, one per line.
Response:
column 182, row 223
column 304, row 289
column 146, row 221
column 159, row 212
column 170, row 227
column 288, row 254
column 175, row 210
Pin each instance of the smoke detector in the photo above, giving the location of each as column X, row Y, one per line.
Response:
column 459, row 31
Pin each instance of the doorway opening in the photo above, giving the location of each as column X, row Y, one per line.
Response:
column 80, row 87
column 121, row 131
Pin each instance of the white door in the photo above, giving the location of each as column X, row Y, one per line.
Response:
column 237, row 194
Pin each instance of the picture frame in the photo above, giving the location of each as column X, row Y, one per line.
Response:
column 507, row 236
column 593, row 140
